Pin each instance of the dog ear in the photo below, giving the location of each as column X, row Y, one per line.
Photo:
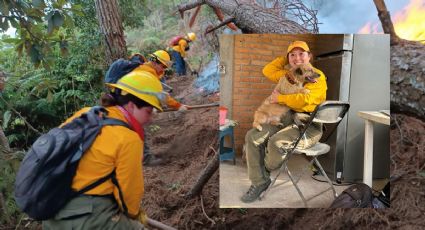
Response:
column 290, row 77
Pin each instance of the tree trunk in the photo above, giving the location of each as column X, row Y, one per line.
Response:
column 250, row 18
column 408, row 78
column 112, row 29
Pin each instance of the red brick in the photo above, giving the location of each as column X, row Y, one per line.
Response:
column 242, row 61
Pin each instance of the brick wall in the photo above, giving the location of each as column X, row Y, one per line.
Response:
column 250, row 87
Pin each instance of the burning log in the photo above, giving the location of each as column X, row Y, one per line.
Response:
column 407, row 69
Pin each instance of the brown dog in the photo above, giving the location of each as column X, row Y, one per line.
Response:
column 292, row 83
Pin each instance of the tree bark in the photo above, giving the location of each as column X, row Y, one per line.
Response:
column 250, row 18
column 408, row 78
column 204, row 176
column 111, row 27
column 385, row 18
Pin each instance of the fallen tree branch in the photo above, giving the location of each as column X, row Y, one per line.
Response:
column 17, row 113
column 205, row 175
column 223, row 23
column 188, row 6
column 385, row 18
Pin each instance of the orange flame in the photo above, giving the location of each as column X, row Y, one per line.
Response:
column 370, row 28
column 409, row 23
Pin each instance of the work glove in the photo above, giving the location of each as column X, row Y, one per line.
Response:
column 183, row 108
column 142, row 217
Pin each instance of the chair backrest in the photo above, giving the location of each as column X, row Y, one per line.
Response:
column 329, row 112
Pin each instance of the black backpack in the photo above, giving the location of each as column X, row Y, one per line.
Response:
column 43, row 183
column 356, row 196
column 121, row 67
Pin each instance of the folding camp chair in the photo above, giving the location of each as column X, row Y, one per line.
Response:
column 327, row 113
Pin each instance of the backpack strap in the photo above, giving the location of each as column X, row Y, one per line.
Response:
column 113, row 121
column 105, row 122
column 115, row 182
column 96, row 183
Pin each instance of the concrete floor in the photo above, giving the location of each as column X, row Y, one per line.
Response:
column 234, row 183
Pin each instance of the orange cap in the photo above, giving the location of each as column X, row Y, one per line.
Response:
column 298, row 44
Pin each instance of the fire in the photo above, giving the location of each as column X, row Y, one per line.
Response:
column 409, row 23
column 370, row 28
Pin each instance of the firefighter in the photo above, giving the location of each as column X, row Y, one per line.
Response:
column 114, row 205
column 179, row 46
column 158, row 61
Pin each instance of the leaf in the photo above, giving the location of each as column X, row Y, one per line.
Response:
column 57, row 19
column 12, row 40
column 34, row 54
column 4, row 8
column 68, row 21
column 80, row 78
column 49, row 96
column 4, row 25
column 6, row 118
column 61, row 3
column 39, row 4
column 14, row 23
column 49, row 20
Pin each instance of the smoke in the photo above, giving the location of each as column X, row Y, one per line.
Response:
column 349, row 16
column 209, row 78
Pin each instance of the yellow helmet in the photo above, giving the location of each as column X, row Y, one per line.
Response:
column 143, row 85
column 163, row 57
column 191, row 36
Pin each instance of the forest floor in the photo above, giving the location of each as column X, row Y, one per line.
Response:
column 185, row 141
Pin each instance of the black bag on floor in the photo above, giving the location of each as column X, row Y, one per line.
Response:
column 384, row 195
column 356, row 196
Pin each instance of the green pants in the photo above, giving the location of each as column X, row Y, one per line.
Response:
column 91, row 212
column 262, row 160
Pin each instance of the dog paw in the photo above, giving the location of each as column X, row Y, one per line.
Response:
column 305, row 91
column 259, row 128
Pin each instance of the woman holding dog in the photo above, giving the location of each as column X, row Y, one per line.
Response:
column 275, row 138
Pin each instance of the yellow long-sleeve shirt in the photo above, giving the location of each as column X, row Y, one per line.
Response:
column 171, row 102
column 298, row 102
column 119, row 148
column 181, row 47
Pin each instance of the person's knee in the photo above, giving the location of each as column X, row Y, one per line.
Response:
column 275, row 155
column 272, row 145
column 249, row 136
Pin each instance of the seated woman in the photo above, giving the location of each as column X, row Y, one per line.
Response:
column 276, row 138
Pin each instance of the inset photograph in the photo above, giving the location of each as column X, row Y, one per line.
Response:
column 304, row 119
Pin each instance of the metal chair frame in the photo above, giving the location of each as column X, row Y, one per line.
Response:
column 313, row 118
